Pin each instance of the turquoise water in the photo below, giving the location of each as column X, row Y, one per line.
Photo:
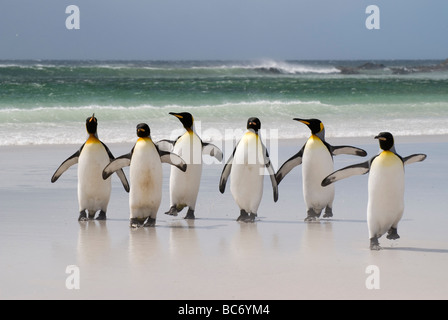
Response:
column 47, row 102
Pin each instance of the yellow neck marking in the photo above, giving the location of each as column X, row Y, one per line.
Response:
column 314, row 141
column 92, row 139
column 145, row 139
column 388, row 158
column 251, row 134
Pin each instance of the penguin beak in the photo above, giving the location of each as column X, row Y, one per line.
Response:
column 92, row 117
column 176, row 115
column 380, row 138
column 303, row 121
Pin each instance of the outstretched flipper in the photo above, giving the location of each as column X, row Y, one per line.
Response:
column 120, row 173
column 117, row 165
column 337, row 150
column 173, row 159
column 212, row 150
column 290, row 164
column 414, row 158
column 70, row 161
column 356, row 169
column 166, row 145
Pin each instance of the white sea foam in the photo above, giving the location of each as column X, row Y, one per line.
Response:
column 65, row 125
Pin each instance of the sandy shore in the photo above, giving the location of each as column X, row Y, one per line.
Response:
column 214, row 257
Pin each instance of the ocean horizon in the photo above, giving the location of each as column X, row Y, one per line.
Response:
column 47, row 101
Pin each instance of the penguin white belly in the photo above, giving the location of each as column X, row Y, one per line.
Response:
column 317, row 164
column 93, row 190
column 145, row 173
column 246, row 176
column 184, row 186
column 386, row 193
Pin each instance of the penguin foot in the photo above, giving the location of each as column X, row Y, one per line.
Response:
column 83, row 216
column 243, row 216
column 392, row 234
column 136, row 222
column 328, row 213
column 190, row 214
column 246, row 217
column 374, row 244
column 252, row 217
column 172, row 211
column 150, row 223
column 312, row 216
column 101, row 216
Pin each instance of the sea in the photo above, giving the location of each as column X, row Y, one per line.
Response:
column 47, row 102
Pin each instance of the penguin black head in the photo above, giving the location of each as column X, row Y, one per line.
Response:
column 386, row 140
column 91, row 124
column 316, row 126
column 143, row 130
column 254, row 124
column 186, row 118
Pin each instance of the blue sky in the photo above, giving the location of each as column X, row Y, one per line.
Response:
column 223, row 30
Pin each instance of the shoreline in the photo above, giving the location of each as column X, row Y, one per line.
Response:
column 360, row 139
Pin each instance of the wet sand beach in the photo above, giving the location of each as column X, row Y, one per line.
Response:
column 214, row 257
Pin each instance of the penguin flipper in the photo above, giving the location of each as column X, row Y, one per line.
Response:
column 273, row 179
column 337, row 150
column 289, row 164
column 271, row 172
column 73, row 159
column 117, row 165
column 212, row 150
column 165, row 145
column 356, row 169
column 173, row 159
column 124, row 181
column 225, row 173
column 414, row 158
column 120, row 173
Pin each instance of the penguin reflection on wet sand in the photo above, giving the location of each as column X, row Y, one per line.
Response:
column 145, row 173
column 246, row 170
column 184, row 186
column 316, row 157
column 385, row 188
column 93, row 190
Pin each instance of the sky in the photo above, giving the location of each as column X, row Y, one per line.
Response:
column 223, row 30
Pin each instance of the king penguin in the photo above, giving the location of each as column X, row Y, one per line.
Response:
column 93, row 190
column 184, row 186
column 316, row 157
column 385, row 188
column 246, row 167
column 145, row 173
